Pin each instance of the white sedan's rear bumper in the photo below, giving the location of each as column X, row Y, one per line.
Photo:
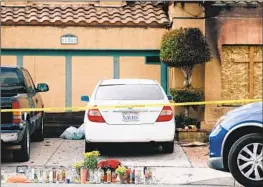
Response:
column 158, row 132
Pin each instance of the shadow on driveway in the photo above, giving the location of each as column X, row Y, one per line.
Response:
column 129, row 149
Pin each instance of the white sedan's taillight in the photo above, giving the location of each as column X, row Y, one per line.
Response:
column 166, row 114
column 94, row 115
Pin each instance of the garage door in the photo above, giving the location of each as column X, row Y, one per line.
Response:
column 86, row 73
column 71, row 74
column 8, row 60
column 50, row 70
column 136, row 67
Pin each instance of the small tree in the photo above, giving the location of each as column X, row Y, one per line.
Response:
column 184, row 48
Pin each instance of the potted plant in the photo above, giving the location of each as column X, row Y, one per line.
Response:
column 121, row 170
column 128, row 172
column 90, row 163
column 77, row 166
column 111, row 164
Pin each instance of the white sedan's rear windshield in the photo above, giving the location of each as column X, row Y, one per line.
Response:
column 129, row 92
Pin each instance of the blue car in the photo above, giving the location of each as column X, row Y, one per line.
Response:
column 236, row 145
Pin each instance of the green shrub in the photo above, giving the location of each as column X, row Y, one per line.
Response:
column 182, row 121
column 183, row 95
column 184, row 47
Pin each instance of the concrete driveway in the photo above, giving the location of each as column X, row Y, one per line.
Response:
column 56, row 152
column 170, row 169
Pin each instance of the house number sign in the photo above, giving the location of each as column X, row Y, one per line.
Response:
column 69, row 39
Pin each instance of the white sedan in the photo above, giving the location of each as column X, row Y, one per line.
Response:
column 150, row 124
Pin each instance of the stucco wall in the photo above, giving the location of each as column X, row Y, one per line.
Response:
column 230, row 79
column 226, row 80
column 187, row 15
column 234, row 26
column 134, row 67
column 8, row 60
column 50, row 70
column 213, row 80
column 86, row 73
column 245, row 31
column 88, row 38
column 241, row 31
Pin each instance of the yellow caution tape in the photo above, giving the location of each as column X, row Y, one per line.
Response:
column 58, row 109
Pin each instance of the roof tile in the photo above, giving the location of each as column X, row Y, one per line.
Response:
column 139, row 13
column 238, row 2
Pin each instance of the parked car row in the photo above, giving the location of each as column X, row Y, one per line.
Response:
column 145, row 125
column 236, row 142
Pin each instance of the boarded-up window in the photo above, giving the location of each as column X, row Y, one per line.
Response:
column 241, row 72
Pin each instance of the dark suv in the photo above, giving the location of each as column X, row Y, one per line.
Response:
column 18, row 91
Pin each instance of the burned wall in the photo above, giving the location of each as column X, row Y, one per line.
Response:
column 233, row 25
column 230, row 31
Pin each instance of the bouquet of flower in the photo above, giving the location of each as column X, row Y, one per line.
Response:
column 77, row 166
column 121, row 170
column 109, row 163
column 91, row 160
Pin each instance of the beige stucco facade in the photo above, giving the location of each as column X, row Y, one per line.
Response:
column 230, row 78
column 130, row 67
column 86, row 71
column 8, row 60
column 50, row 70
column 233, row 32
column 88, row 37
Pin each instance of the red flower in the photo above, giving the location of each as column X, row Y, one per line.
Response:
column 113, row 164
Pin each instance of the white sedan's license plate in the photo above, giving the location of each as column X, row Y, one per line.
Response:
column 130, row 116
